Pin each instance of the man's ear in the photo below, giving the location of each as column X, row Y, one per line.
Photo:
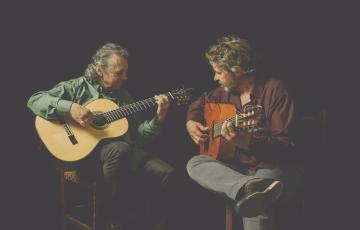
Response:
column 237, row 70
column 99, row 70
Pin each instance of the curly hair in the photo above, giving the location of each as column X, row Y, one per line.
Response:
column 101, row 57
column 231, row 51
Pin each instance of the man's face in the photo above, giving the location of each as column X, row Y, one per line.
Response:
column 115, row 74
column 224, row 78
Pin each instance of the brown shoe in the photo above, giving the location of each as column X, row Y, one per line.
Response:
column 259, row 194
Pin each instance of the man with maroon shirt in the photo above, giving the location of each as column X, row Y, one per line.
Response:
column 260, row 174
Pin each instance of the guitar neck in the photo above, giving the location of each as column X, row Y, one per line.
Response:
column 128, row 110
column 217, row 126
column 238, row 122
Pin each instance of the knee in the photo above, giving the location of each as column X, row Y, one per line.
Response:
column 195, row 161
column 115, row 151
column 166, row 174
column 160, row 171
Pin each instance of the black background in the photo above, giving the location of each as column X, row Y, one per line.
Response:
column 47, row 43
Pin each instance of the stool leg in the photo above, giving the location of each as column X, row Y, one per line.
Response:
column 62, row 199
column 93, row 208
column 229, row 215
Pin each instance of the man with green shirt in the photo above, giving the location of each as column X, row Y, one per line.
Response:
column 119, row 159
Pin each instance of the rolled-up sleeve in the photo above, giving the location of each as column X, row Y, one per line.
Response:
column 54, row 102
column 195, row 111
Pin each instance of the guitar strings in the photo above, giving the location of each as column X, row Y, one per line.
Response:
column 241, row 114
column 126, row 109
column 218, row 125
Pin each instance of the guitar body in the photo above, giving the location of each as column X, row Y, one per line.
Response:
column 217, row 147
column 56, row 138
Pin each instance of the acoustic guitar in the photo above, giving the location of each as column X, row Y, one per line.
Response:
column 69, row 141
column 215, row 114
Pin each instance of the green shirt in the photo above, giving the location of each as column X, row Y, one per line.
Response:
column 57, row 102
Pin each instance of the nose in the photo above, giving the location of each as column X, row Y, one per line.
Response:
column 216, row 77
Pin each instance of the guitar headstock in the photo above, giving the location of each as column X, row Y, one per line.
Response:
column 180, row 96
column 248, row 119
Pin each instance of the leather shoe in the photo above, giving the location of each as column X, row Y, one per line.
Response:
column 259, row 194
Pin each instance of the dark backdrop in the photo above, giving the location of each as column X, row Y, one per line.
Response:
column 47, row 43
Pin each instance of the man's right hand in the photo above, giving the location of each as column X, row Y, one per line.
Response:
column 81, row 115
column 197, row 131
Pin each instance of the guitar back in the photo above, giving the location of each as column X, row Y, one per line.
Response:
column 217, row 147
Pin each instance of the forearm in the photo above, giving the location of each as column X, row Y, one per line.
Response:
column 147, row 131
column 48, row 106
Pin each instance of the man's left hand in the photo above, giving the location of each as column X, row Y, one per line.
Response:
column 238, row 138
column 163, row 107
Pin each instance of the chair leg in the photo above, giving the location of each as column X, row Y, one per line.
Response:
column 229, row 210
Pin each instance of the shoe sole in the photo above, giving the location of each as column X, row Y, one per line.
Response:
column 256, row 203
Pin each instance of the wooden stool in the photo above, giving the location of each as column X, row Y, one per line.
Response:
column 67, row 217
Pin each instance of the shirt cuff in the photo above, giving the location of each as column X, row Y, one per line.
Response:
column 194, row 117
column 63, row 107
column 154, row 125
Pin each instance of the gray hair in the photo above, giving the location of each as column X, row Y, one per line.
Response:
column 101, row 57
column 231, row 51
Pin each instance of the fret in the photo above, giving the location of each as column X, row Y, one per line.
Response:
column 106, row 117
column 111, row 116
column 128, row 108
column 116, row 114
column 124, row 111
column 147, row 103
column 136, row 109
column 133, row 108
column 152, row 101
column 122, row 114
column 143, row 104
column 139, row 104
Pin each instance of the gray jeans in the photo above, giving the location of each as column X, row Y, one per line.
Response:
column 228, row 179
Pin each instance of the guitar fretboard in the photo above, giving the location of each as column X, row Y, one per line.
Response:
column 239, row 121
column 217, row 126
column 127, row 110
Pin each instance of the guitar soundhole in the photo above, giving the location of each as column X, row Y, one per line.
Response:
column 99, row 122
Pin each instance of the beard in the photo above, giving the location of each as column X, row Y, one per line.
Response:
column 229, row 87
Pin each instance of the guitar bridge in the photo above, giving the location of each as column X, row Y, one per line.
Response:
column 73, row 139
column 70, row 134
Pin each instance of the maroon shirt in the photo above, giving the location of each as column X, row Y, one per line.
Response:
column 273, row 144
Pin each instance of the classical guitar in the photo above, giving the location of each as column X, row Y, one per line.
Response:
column 68, row 141
column 215, row 115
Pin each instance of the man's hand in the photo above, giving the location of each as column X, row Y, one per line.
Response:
column 197, row 131
column 81, row 115
column 238, row 138
column 163, row 107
